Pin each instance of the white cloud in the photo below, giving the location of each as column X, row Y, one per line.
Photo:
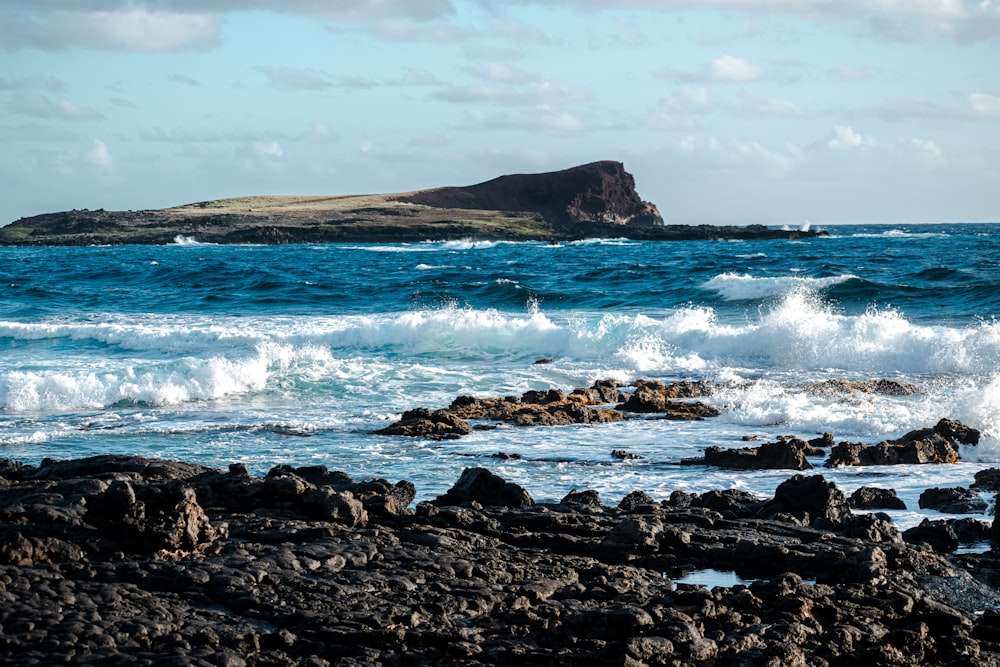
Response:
column 130, row 27
column 183, row 79
column 539, row 119
column 772, row 106
column 716, row 154
column 845, row 138
column 319, row 132
column 30, row 103
column 924, row 152
column 689, row 98
column 293, row 78
column 100, row 157
column 733, row 70
column 507, row 85
column 903, row 19
column 984, row 105
column 269, row 149
column 410, row 30
column 518, row 31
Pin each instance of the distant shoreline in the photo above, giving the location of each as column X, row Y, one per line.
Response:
column 596, row 200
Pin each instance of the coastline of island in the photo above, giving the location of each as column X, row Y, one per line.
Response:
column 597, row 200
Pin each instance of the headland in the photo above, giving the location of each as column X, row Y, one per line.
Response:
column 596, row 200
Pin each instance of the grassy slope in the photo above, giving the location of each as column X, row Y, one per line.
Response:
column 278, row 218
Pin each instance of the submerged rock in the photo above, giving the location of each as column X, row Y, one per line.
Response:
column 845, row 387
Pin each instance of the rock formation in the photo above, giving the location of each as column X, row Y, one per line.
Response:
column 599, row 193
column 309, row 567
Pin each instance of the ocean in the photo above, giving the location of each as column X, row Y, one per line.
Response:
column 293, row 354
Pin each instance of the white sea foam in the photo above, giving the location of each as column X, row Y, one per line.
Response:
column 393, row 357
column 743, row 287
column 897, row 234
column 182, row 240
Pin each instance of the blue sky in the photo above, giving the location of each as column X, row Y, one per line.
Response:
column 726, row 112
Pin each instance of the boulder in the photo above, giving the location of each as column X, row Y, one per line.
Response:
column 424, row 423
column 587, row 498
column 849, row 388
column 987, row 480
column 602, row 392
column 809, row 500
column 938, row 534
column 636, row 501
column 152, row 517
column 957, row 500
column 478, row 485
column 781, row 455
column 656, row 397
column 872, row 498
column 929, row 445
column 728, row 502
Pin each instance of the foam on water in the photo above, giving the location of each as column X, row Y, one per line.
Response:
column 273, row 355
column 743, row 287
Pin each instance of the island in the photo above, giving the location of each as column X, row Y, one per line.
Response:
column 596, row 200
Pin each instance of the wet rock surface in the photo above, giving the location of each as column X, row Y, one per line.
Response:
column 123, row 560
column 553, row 407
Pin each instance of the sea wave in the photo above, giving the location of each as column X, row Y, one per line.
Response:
column 744, row 287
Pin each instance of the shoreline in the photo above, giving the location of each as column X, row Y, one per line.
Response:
column 126, row 560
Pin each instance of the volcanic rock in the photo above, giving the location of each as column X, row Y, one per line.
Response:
column 599, row 193
column 653, row 396
column 845, row 387
column 957, row 500
column 788, row 453
column 987, row 480
column 478, row 485
column 930, row 445
column 808, row 500
column 872, row 498
column 573, row 583
column 424, row 423
column 938, row 534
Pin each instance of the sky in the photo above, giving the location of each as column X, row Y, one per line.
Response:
column 725, row 111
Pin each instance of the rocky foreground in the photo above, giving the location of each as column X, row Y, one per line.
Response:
column 124, row 560
column 588, row 201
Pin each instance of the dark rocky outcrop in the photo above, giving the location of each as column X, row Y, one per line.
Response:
column 485, row 489
column 470, row 583
column 424, row 423
column 595, row 194
column 987, row 480
column 872, row 498
column 787, row 453
column 850, row 388
column 956, row 500
column 654, row 396
column 939, row 444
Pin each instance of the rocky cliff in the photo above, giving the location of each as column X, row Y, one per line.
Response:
column 597, row 193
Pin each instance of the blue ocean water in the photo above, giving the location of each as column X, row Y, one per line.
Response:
column 293, row 354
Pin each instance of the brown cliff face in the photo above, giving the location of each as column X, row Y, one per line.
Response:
column 595, row 193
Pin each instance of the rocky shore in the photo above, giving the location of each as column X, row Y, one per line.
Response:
column 125, row 560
